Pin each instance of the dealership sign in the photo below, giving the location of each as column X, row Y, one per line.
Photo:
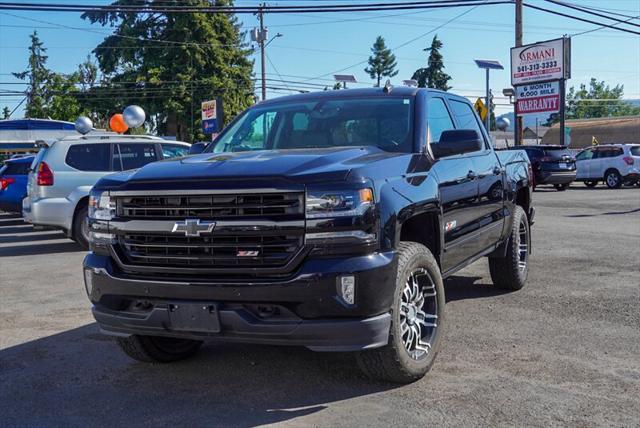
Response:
column 541, row 62
column 538, row 98
column 210, row 120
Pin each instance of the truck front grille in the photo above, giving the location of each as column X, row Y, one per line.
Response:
column 252, row 230
column 215, row 206
column 223, row 251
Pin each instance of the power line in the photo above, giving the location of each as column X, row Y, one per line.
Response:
column 591, row 12
column 405, row 43
column 531, row 6
column 326, row 8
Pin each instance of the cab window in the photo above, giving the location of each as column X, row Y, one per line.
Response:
column 465, row 116
column 438, row 119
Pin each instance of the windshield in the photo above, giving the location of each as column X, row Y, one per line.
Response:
column 380, row 121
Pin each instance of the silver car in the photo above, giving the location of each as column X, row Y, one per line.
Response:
column 63, row 173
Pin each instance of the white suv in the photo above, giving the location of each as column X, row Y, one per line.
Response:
column 63, row 173
column 614, row 164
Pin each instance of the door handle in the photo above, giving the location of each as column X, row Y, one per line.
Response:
column 471, row 175
column 498, row 170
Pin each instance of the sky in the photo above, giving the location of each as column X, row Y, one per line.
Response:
column 315, row 46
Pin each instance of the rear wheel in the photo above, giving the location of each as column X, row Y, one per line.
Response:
column 613, row 179
column 156, row 349
column 591, row 184
column 81, row 227
column 417, row 317
column 561, row 187
column 510, row 272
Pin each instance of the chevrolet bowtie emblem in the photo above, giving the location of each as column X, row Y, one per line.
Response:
column 193, row 227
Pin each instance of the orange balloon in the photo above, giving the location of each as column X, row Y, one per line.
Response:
column 117, row 124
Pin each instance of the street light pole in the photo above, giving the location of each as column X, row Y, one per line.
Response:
column 487, row 120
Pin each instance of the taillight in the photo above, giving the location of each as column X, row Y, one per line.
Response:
column 45, row 175
column 546, row 159
column 4, row 182
column 531, row 176
column 628, row 160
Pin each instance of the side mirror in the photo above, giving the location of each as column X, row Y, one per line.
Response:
column 197, row 148
column 457, row 142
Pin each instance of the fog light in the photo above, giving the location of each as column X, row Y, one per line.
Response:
column 88, row 282
column 347, row 289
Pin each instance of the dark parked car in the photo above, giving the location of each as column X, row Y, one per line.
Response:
column 553, row 165
column 13, row 183
column 326, row 220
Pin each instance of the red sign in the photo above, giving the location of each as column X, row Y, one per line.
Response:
column 549, row 103
column 538, row 98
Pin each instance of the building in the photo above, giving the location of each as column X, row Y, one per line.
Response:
column 623, row 129
column 20, row 136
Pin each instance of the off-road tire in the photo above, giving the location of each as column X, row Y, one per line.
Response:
column 561, row 187
column 613, row 179
column 155, row 349
column 591, row 184
column 506, row 272
column 80, row 227
column 392, row 362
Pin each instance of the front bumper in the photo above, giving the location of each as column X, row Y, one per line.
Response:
column 304, row 310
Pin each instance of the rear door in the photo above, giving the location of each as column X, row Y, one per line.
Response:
column 88, row 163
column 488, row 206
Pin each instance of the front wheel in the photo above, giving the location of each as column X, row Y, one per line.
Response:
column 417, row 318
column 561, row 187
column 591, row 184
column 81, row 227
column 510, row 272
column 156, row 349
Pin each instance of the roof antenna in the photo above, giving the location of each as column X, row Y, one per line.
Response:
column 387, row 87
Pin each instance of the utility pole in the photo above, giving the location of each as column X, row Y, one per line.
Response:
column 261, row 39
column 518, row 127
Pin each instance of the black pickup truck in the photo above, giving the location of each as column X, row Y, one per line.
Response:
column 326, row 220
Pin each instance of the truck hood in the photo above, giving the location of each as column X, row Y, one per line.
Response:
column 332, row 164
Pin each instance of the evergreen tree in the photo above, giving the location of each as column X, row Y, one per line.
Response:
column 36, row 75
column 382, row 63
column 6, row 112
column 169, row 63
column 433, row 76
column 49, row 94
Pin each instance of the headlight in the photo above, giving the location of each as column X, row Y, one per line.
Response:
column 322, row 204
column 101, row 207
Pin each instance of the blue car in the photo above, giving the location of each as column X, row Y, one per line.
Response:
column 13, row 183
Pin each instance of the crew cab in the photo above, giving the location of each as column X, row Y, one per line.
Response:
column 326, row 220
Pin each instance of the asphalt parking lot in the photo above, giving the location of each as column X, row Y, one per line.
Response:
column 565, row 350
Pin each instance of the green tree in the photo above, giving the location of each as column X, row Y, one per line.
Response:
column 582, row 104
column 6, row 112
column 49, row 95
column 169, row 63
column 36, row 76
column 382, row 63
column 433, row 76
